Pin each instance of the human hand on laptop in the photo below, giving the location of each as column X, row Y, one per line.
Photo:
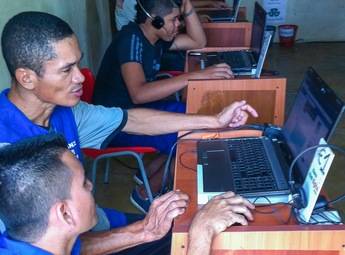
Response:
column 218, row 71
column 219, row 213
column 236, row 114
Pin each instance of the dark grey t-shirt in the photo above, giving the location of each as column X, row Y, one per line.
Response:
column 129, row 45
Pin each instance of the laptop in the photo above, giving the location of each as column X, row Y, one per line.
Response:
column 257, row 167
column 222, row 15
column 265, row 45
column 243, row 62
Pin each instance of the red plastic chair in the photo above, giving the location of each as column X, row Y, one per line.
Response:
column 97, row 154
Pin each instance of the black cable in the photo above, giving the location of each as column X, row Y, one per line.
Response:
column 181, row 161
column 337, row 148
column 290, row 172
column 274, row 210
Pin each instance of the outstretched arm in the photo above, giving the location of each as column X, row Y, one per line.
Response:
column 151, row 122
column 142, row 92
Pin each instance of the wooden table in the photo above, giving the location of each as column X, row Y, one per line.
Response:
column 266, row 95
column 224, row 34
column 272, row 233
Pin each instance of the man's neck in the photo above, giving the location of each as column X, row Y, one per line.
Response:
column 148, row 32
column 33, row 108
column 54, row 245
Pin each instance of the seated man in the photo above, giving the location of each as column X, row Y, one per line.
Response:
column 46, row 88
column 127, row 76
column 46, row 203
column 125, row 11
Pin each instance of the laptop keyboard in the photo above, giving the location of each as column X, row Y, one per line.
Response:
column 249, row 173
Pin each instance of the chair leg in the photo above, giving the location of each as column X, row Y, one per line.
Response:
column 141, row 169
column 93, row 176
column 177, row 96
column 106, row 174
column 144, row 176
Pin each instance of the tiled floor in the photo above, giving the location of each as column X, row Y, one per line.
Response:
column 329, row 61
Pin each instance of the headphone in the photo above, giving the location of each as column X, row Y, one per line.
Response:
column 299, row 197
column 157, row 21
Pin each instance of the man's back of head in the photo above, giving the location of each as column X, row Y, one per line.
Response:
column 32, row 178
column 27, row 40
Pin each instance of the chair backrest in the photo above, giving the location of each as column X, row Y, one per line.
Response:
column 88, row 85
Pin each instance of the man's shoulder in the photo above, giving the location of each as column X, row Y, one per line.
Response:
column 128, row 31
column 12, row 247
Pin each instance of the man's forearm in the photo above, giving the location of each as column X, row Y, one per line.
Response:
column 194, row 31
column 151, row 122
column 115, row 240
column 199, row 243
column 157, row 90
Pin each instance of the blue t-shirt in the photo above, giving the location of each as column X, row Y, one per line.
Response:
column 92, row 124
column 129, row 45
column 15, row 126
column 9, row 246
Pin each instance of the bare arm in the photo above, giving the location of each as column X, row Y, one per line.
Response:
column 218, row 214
column 151, row 122
column 142, row 92
column 156, row 225
column 194, row 38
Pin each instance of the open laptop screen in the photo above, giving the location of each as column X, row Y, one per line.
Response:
column 259, row 23
column 314, row 115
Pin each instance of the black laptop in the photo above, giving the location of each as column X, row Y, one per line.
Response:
column 243, row 61
column 222, row 15
column 257, row 167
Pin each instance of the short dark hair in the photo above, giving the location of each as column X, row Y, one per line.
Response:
column 154, row 7
column 32, row 179
column 27, row 40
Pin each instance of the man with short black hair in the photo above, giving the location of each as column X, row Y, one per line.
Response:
column 43, row 55
column 42, row 190
column 46, row 202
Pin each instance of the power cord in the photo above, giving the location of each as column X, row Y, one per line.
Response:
column 292, row 183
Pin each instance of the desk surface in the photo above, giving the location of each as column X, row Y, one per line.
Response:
column 269, row 234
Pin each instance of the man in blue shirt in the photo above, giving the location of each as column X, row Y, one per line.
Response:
column 42, row 54
column 46, row 202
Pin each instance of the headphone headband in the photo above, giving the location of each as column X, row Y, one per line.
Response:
column 157, row 21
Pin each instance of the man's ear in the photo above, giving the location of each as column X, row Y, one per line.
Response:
column 64, row 214
column 26, row 77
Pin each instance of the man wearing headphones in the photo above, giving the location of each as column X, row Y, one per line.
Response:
column 125, row 10
column 127, row 76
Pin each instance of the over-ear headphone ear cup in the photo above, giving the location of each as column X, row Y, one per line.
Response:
column 158, row 22
column 299, row 198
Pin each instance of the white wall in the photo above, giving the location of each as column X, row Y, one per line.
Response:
column 88, row 19
column 318, row 20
